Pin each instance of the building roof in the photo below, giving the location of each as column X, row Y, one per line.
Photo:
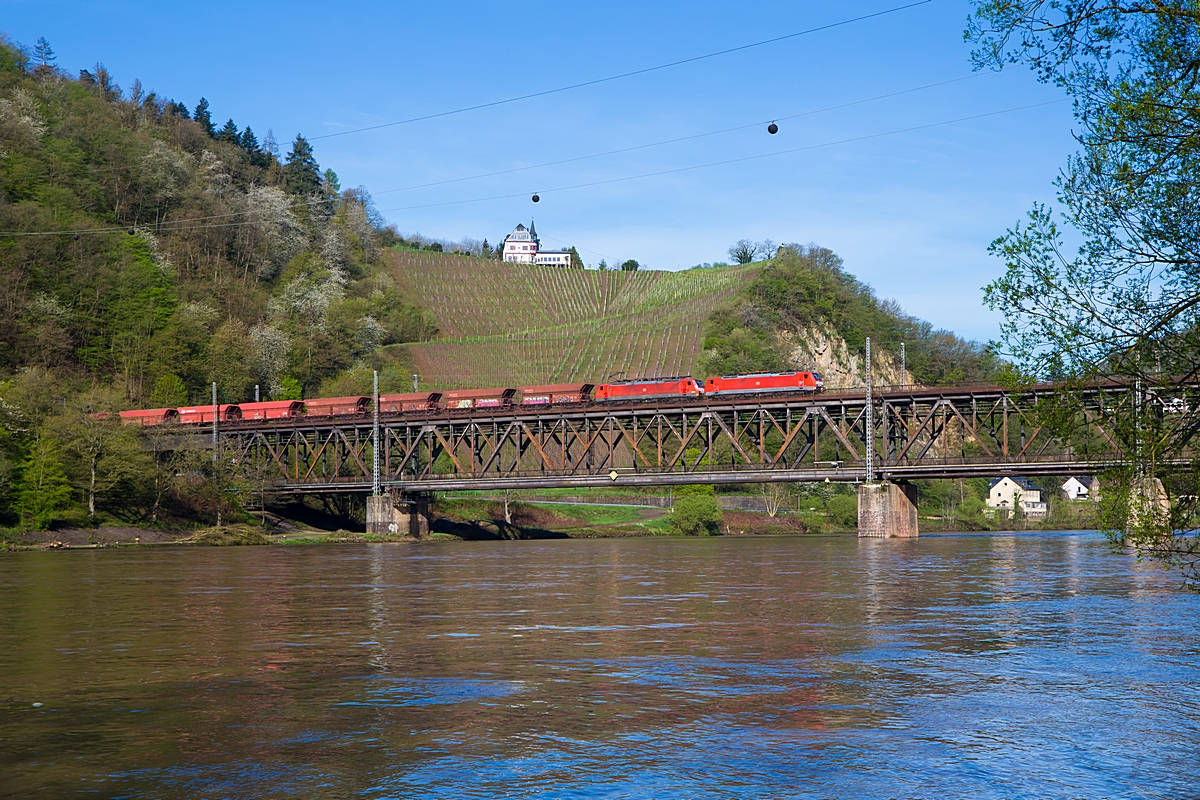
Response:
column 532, row 230
column 1086, row 480
column 1023, row 483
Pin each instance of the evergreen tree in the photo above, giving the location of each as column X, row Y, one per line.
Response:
column 228, row 133
column 43, row 53
column 249, row 141
column 43, row 488
column 301, row 170
column 203, row 116
column 178, row 109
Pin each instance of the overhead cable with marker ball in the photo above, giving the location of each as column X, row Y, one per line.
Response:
column 622, row 75
column 733, row 160
column 182, row 225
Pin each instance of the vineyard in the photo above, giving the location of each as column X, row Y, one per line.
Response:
column 513, row 324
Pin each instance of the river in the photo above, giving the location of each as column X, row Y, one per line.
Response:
column 1030, row 665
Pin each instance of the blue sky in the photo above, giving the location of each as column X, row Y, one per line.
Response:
column 911, row 213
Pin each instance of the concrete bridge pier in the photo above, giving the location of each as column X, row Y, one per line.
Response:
column 887, row 510
column 403, row 515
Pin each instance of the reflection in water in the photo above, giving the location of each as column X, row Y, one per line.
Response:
column 1035, row 665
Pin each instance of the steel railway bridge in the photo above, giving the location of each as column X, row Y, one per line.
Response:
column 904, row 433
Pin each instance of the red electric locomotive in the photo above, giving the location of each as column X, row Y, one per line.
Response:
column 765, row 382
column 648, row 388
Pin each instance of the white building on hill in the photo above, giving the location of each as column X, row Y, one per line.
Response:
column 1017, row 494
column 522, row 247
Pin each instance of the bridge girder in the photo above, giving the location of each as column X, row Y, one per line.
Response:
column 917, row 434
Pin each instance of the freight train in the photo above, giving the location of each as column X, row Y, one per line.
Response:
column 530, row 397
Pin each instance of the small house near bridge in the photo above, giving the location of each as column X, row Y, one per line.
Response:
column 1016, row 495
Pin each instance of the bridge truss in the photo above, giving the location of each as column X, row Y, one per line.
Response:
column 917, row 433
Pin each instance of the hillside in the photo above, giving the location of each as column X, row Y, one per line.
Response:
column 512, row 324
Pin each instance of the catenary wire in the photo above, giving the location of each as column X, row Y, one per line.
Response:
column 180, row 226
column 739, row 160
column 680, row 138
column 622, row 75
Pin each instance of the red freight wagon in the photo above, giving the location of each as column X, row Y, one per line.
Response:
column 765, row 382
column 412, row 401
column 649, row 388
column 150, row 416
column 479, row 398
column 337, row 406
column 553, row 393
column 273, row 409
column 200, row 415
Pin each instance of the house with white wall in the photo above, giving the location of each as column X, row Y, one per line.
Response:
column 522, row 246
column 1081, row 487
column 1016, row 494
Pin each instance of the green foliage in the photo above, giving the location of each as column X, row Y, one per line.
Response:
column 303, row 174
column 805, row 287
column 842, row 510
column 169, row 392
column 43, row 489
column 696, row 514
column 289, row 389
column 630, row 266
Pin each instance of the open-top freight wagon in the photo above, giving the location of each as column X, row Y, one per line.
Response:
column 479, row 398
column 150, row 416
column 203, row 415
column 556, row 393
column 411, row 401
column 272, row 409
column 337, row 406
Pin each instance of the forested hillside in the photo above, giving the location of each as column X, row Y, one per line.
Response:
column 804, row 310
column 146, row 252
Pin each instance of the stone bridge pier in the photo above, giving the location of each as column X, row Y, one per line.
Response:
column 398, row 515
column 887, row 510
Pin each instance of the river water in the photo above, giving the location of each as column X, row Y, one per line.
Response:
column 1031, row 665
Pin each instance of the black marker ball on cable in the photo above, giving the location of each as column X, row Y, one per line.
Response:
column 130, row 231
column 772, row 129
column 77, row 237
column 536, row 198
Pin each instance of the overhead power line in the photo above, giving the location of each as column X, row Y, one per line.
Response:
column 186, row 224
column 681, row 138
column 739, row 160
column 623, row 75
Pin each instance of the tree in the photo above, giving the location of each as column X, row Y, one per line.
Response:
column 169, row 392
column 249, row 141
column 229, row 355
column 43, row 488
column 43, row 53
column 229, row 133
column 301, row 171
column 1126, row 304
column 772, row 495
column 696, row 512
column 203, row 116
column 104, row 456
column 630, row 266
column 843, row 510
column 743, row 252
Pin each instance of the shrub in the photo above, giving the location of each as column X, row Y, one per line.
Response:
column 843, row 510
column 697, row 515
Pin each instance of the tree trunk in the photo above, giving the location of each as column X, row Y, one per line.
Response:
column 92, row 491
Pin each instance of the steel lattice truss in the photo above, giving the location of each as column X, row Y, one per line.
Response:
column 917, row 434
